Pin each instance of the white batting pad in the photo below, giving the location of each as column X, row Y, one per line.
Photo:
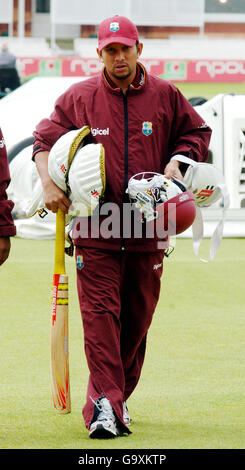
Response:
column 208, row 186
column 86, row 178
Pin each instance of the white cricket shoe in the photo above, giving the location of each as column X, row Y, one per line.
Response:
column 104, row 425
column 126, row 417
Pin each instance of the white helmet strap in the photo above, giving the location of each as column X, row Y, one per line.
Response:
column 197, row 226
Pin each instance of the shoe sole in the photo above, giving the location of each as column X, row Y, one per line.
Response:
column 101, row 433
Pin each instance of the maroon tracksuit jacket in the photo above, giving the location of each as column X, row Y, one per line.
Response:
column 119, row 279
column 7, row 227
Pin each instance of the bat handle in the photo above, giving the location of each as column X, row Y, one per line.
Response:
column 59, row 260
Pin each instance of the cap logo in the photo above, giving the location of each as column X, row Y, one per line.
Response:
column 114, row 27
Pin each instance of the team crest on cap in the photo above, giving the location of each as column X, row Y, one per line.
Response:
column 147, row 128
column 114, row 27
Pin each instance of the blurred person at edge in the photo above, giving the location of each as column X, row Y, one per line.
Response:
column 119, row 280
column 7, row 59
column 7, row 227
column 9, row 74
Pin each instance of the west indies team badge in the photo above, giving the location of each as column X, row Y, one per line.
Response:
column 80, row 263
column 147, row 128
column 114, row 27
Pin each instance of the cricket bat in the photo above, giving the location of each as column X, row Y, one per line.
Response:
column 60, row 380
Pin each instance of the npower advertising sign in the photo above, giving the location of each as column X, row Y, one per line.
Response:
column 169, row 69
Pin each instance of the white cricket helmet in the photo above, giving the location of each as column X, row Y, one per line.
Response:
column 152, row 187
column 159, row 197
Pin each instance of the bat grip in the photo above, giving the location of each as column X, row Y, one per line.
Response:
column 59, row 260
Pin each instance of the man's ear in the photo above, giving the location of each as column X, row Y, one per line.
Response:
column 99, row 54
column 139, row 48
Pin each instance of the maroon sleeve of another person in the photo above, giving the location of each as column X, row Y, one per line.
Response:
column 7, row 227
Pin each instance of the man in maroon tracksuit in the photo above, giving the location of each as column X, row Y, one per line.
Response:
column 141, row 121
column 7, row 227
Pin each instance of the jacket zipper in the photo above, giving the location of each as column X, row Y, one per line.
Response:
column 125, row 104
column 125, row 107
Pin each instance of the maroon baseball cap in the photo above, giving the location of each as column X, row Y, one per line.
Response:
column 117, row 29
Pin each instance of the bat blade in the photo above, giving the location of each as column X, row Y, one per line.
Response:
column 60, row 379
column 60, row 383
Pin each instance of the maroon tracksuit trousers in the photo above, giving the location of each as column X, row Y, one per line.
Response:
column 118, row 294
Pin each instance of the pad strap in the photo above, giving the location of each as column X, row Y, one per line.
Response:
column 197, row 226
column 184, row 159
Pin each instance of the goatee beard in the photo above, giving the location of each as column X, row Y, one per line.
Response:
column 120, row 77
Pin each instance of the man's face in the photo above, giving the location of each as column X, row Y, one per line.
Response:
column 120, row 60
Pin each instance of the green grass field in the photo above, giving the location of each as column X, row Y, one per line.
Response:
column 192, row 390
column 208, row 90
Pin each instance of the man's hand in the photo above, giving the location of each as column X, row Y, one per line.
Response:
column 54, row 197
column 172, row 170
column 4, row 249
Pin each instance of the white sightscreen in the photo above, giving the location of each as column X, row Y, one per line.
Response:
column 86, row 11
column 6, row 11
column 168, row 12
column 142, row 12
